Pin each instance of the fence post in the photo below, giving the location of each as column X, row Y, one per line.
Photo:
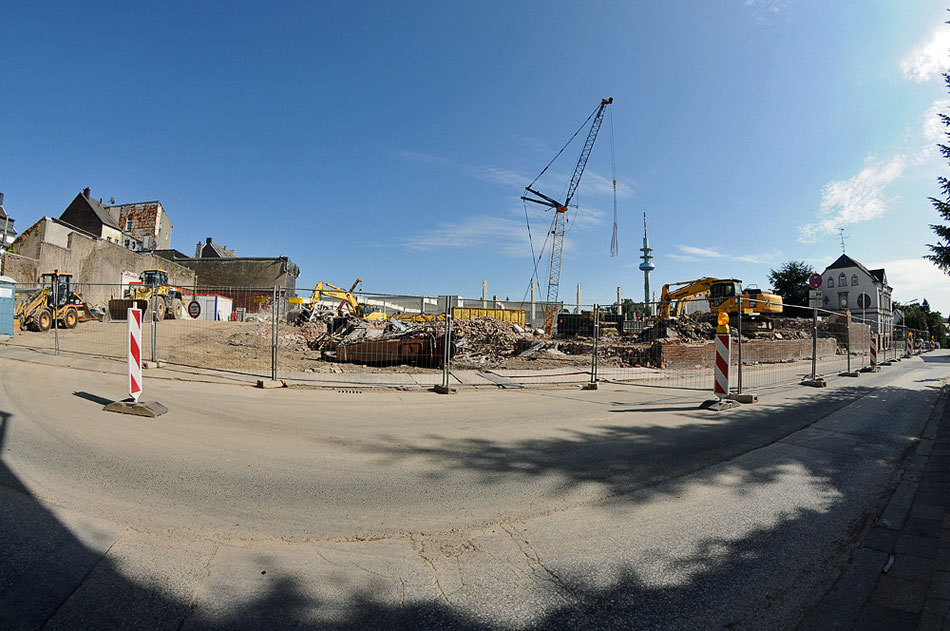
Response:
column 593, row 357
column 739, row 343
column 154, row 344
column 814, row 381
column 445, row 388
column 847, row 342
column 54, row 313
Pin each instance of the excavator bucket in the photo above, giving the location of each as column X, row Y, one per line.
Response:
column 119, row 307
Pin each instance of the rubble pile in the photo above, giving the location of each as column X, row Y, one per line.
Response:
column 490, row 337
column 686, row 328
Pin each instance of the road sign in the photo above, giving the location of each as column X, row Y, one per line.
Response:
column 815, row 298
column 814, row 281
column 260, row 299
column 194, row 309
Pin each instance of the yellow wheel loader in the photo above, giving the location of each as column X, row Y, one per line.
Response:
column 152, row 294
column 54, row 300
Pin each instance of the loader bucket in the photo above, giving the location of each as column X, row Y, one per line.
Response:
column 119, row 307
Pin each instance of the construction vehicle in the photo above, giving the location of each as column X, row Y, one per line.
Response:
column 152, row 294
column 559, row 223
column 348, row 303
column 725, row 295
column 53, row 301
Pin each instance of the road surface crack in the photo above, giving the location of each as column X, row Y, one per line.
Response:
column 564, row 590
column 418, row 549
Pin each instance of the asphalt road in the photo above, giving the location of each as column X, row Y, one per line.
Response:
column 618, row 508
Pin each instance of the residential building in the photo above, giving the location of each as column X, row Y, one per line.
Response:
column 7, row 231
column 92, row 217
column 145, row 225
column 849, row 285
column 211, row 250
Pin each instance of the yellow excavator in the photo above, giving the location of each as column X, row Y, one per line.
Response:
column 152, row 292
column 348, row 302
column 54, row 300
column 725, row 295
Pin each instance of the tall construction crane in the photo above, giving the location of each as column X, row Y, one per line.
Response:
column 560, row 218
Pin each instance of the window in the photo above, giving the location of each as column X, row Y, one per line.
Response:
column 842, row 300
column 128, row 223
column 831, row 282
column 864, row 301
column 854, row 279
column 842, row 280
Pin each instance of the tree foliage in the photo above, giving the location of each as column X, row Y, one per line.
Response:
column 940, row 252
column 791, row 282
column 922, row 318
column 631, row 309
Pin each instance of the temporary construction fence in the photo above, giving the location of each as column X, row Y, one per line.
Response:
column 449, row 341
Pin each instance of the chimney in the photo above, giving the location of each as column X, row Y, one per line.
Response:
column 208, row 240
column 1, row 199
column 86, row 191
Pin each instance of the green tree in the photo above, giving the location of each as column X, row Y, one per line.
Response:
column 630, row 308
column 922, row 318
column 791, row 282
column 940, row 252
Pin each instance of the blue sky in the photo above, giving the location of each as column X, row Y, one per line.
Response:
column 392, row 141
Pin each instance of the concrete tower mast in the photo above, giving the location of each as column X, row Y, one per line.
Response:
column 647, row 265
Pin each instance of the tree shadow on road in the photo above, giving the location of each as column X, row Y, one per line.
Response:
column 42, row 562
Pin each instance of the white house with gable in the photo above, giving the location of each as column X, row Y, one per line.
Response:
column 849, row 285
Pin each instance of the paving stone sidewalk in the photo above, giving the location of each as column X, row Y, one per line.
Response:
column 900, row 577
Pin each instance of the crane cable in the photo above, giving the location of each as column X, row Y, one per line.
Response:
column 583, row 125
column 614, row 246
column 537, row 260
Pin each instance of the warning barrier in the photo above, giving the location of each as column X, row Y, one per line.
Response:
column 723, row 356
column 135, row 353
column 873, row 356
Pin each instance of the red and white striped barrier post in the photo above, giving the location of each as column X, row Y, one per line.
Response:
column 873, row 354
column 135, row 353
column 909, row 351
column 723, row 356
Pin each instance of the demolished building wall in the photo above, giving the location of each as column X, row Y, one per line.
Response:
column 50, row 244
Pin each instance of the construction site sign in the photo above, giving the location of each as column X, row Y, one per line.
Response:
column 194, row 309
column 815, row 298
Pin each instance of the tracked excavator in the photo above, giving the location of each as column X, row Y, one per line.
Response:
column 725, row 295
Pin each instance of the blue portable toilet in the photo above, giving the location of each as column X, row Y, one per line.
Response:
column 7, row 302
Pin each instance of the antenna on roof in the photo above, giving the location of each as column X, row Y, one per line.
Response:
column 842, row 237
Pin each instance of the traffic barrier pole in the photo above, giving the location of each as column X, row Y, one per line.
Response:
column 909, row 345
column 723, row 356
column 724, row 399
column 135, row 353
column 873, row 355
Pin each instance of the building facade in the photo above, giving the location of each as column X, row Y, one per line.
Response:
column 145, row 225
column 849, row 285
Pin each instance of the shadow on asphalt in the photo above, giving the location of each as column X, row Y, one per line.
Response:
column 95, row 398
column 37, row 577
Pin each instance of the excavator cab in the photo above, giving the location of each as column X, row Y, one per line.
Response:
column 723, row 291
column 154, row 278
column 59, row 286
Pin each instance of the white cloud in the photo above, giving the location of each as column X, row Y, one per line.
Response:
column 934, row 129
column 860, row 198
column 504, row 177
column 479, row 231
column 918, row 278
column 929, row 58
column 691, row 254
